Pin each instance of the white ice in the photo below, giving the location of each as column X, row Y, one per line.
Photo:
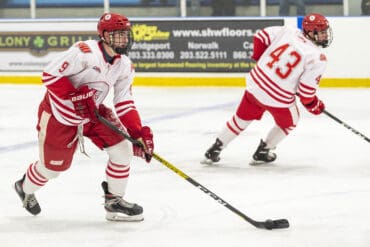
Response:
column 320, row 181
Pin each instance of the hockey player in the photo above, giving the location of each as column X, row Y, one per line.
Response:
column 77, row 82
column 289, row 62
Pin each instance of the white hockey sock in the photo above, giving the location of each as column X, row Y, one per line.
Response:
column 117, row 178
column 118, row 167
column 34, row 180
column 232, row 129
column 275, row 136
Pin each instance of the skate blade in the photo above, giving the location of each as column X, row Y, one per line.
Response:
column 257, row 163
column 207, row 162
column 122, row 217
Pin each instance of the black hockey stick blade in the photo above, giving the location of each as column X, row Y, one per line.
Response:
column 273, row 224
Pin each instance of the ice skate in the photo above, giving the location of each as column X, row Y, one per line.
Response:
column 213, row 153
column 29, row 200
column 262, row 155
column 118, row 209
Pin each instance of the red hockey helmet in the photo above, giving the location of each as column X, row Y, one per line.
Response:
column 112, row 22
column 314, row 22
column 317, row 23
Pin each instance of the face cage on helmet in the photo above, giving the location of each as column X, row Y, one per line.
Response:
column 327, row 42
column 121, row 50
column 323, row 43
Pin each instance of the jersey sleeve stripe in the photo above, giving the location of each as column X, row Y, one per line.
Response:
column 125, row 111
column 48, row 79
column 127, row 102
column 60, row 102
column 306, row 91
column 63, row 111
column 264, row 37
column 123, row 107
column 306, row 87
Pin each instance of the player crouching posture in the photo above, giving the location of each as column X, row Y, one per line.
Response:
column 77, row 82
column 289, row 62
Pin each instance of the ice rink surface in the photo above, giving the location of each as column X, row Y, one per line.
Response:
column 320, row 181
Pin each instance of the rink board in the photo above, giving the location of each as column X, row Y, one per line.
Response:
column 210, row 80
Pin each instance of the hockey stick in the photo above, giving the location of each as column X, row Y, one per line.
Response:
column 347, row 126
column 268, row 224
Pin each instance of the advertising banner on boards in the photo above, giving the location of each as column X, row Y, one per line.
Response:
column 195, row 46
column 168, row 45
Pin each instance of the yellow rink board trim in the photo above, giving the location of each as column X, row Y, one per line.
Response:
column 197, row 81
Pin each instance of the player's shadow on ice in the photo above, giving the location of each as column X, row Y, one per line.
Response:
column 278, row 167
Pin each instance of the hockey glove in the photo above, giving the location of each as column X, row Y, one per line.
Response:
column 315, row 107
column 84, row 102
column 146, row 138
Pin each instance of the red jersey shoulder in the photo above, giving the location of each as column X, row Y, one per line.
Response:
column 83, row 47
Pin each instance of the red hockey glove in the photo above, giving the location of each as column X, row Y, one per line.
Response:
column 107, row 113
column 146, row 138
column 84, row 102
column 316, row 106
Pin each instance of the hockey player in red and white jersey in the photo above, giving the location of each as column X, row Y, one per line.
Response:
column 289, row 63
column 77, row 82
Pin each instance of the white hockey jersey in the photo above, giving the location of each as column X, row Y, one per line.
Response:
column 291, row 63
column 84, row 64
